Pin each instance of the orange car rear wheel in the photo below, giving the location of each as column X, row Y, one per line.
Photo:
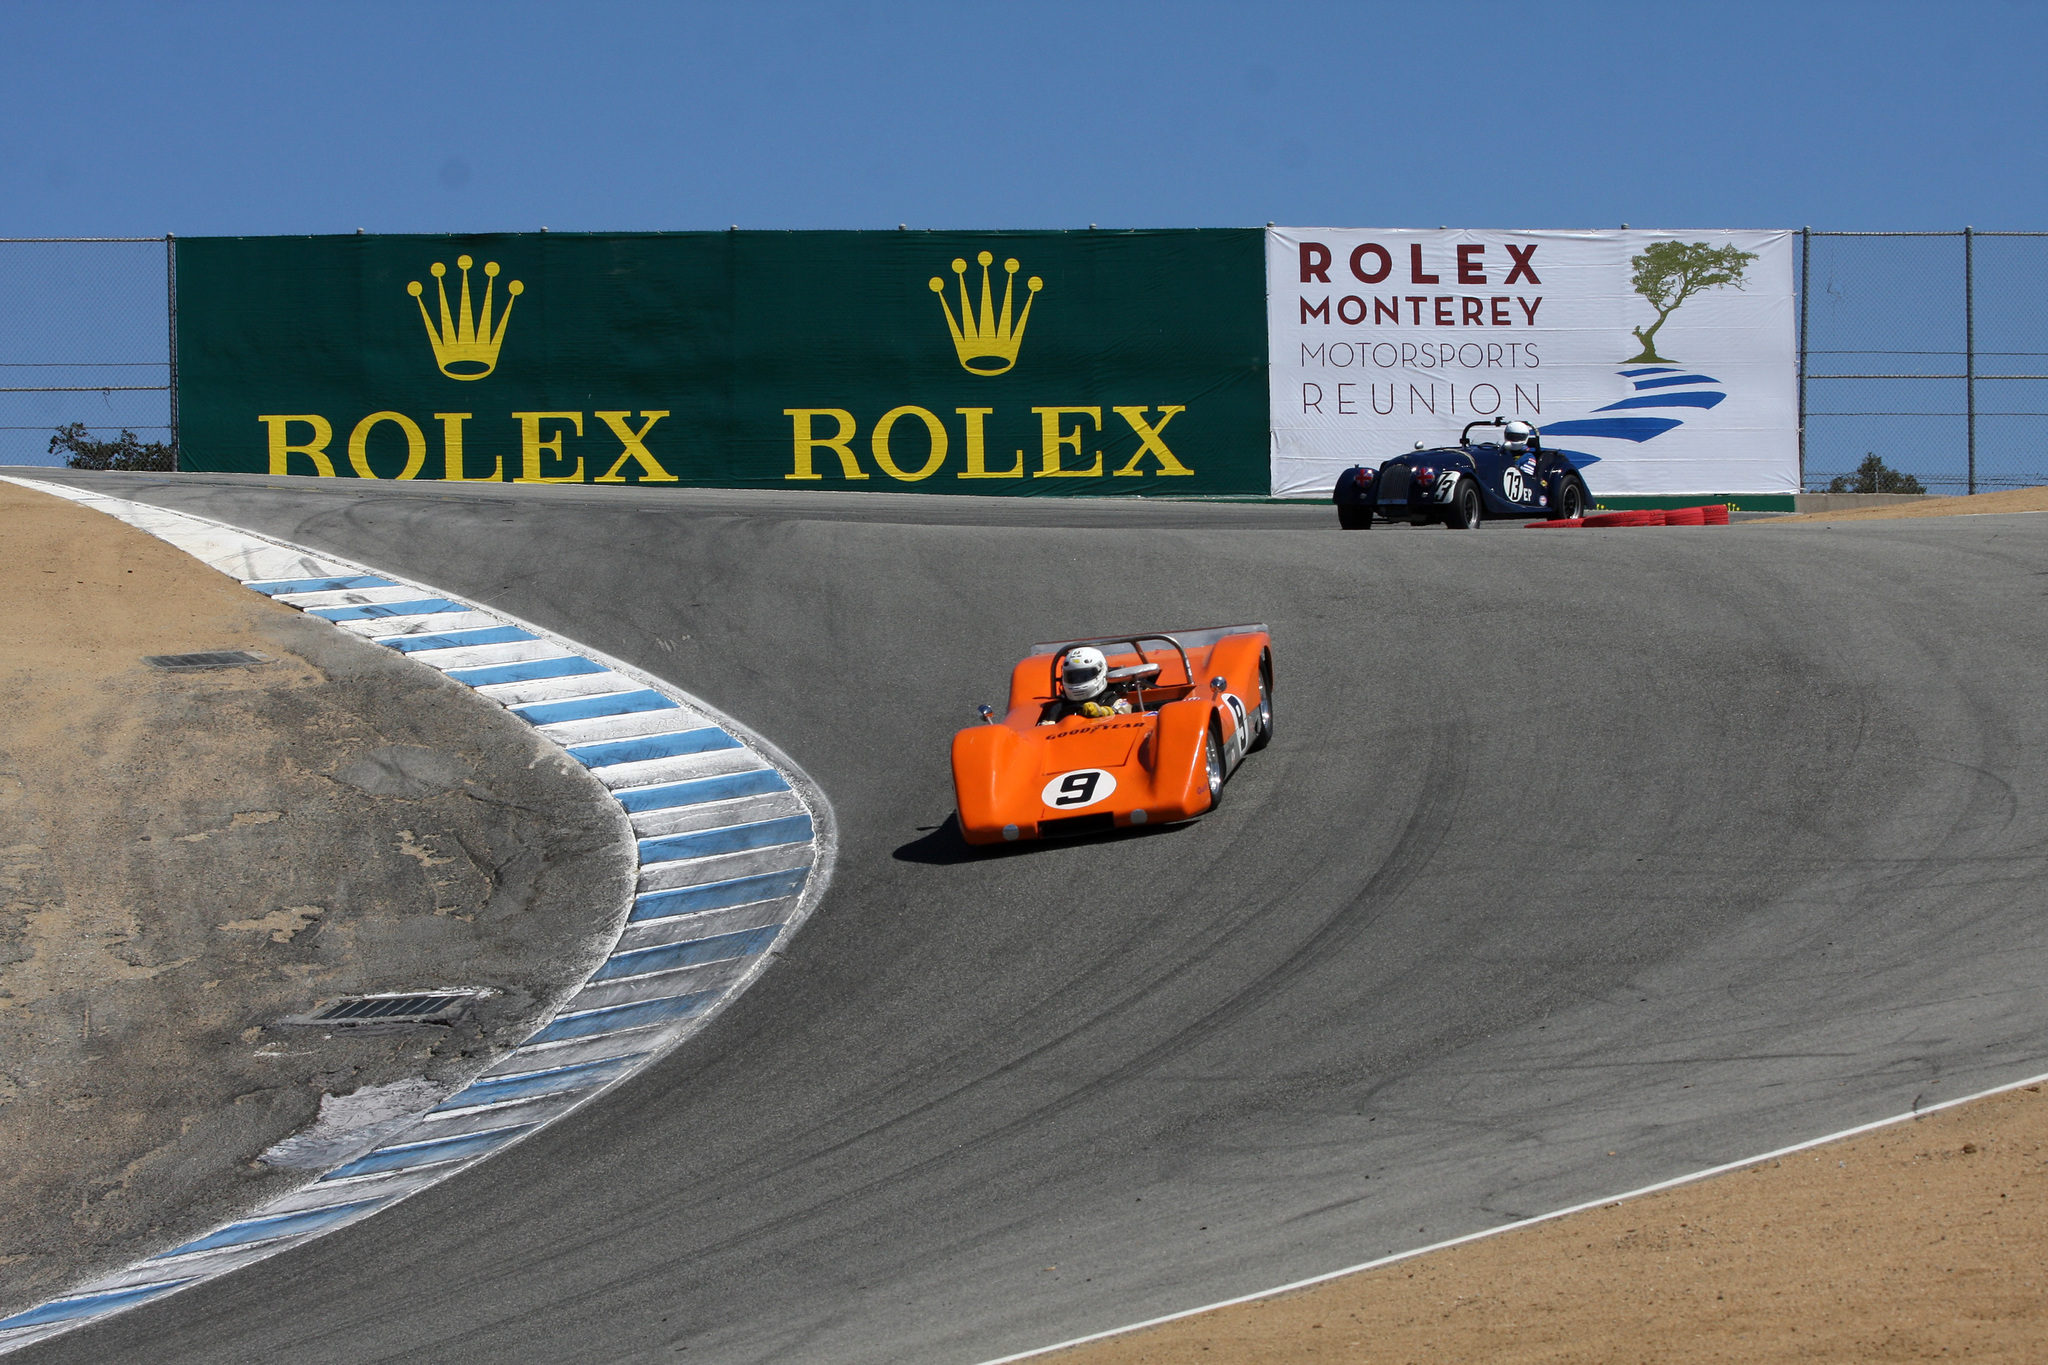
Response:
column 1265, row 712
column 1213, row 754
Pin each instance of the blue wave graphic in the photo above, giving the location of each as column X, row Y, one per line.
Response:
column 1663, row 391
column 1615, row 428
column 1667, row 400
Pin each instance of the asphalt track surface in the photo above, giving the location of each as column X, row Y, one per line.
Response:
column 1578, row 861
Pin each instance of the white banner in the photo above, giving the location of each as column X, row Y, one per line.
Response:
column 1666, row 361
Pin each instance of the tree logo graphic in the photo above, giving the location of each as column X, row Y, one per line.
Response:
column 1669, row 273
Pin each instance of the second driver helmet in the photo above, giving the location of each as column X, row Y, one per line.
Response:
column 1085, row 674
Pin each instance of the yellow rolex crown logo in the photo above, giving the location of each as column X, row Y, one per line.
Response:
column 987, row 338
column 465, row 347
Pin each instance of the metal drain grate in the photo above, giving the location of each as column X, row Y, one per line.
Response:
column 388, row 1013
column 217, row 658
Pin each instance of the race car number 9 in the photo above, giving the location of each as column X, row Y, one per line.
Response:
column 1071, row 791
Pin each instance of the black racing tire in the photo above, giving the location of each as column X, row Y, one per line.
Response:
column 1352, row 515
column 1467, row 509
column 1212, row 756
column 1265, row 711
column 1571, row 501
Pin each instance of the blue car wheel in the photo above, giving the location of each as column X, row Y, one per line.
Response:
column 1466, row 508
column 1571, row 501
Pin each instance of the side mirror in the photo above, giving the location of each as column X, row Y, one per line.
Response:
column 987, row 713
column 1219, row 683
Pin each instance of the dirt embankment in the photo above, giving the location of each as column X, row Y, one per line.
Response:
column 186, row 858
column 2008, row 500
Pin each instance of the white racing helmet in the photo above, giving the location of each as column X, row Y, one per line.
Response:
column 1085, row 674
column 1517, row 435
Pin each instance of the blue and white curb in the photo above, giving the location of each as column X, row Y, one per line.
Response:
column 735, row 843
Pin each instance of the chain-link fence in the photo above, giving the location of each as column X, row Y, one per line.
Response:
column 85, row 337
column 1928, row 351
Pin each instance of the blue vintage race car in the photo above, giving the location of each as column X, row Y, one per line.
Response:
column 1462, row 485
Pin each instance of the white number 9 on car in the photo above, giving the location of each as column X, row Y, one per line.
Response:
column 1084, row 787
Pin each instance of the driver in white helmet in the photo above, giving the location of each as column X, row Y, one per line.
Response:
column 1522, row 444
column 1085, row 689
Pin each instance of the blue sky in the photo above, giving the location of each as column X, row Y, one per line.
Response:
column 198, row 119
column 244, row 118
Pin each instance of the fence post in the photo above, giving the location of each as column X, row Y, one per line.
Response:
column 1805, row 288
column 1970, row 346
column 171, row 313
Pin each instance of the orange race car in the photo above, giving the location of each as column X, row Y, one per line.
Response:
column 1104, row 734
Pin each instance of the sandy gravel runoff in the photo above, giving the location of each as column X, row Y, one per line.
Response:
column 1925, row 1240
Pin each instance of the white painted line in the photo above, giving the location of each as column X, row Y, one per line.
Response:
column 343, row 597
column 661, row 985
column 655, row 923
column 723, row 867
column 484, row 1121
column 658, row 933
column 379, row 1184
column 271, row 564
column 476, row 656
column 577, row 687
column 636, row 725
column 659, row 772
column 737, row 810
column 510, row 694
column 564, row 1052
column 382, row 628
column 1521, row 1223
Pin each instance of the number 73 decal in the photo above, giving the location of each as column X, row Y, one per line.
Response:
column 1071, row 791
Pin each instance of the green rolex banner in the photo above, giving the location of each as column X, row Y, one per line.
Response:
column 1010, row 363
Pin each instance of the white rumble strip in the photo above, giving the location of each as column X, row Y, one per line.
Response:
column 736, row 848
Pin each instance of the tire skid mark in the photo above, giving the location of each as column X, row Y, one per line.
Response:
column 1435, row 815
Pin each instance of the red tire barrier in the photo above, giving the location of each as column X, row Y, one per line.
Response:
column 1713, row 514
column 1634, row 517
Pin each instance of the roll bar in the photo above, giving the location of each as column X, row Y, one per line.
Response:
column 1194, row 639
column 1465, row 436
column 1060, row 652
